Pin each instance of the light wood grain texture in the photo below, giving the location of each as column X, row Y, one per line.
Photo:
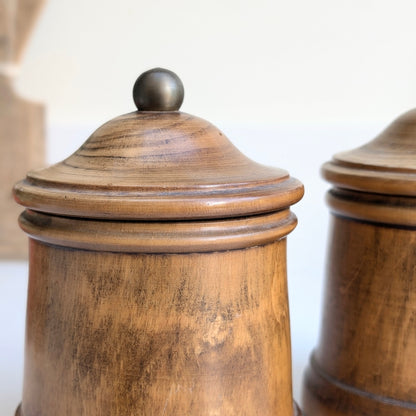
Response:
column 175, row 334
column 22, row 133
column 364, row 362
column 383, row 209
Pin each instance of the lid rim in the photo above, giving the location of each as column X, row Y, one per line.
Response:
column 370, row 167
column 211, row 188
column 134, row 206
column 369, row 180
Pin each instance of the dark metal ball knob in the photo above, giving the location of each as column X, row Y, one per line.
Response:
column 158, row 90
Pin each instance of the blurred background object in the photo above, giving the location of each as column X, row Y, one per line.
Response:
column 290, row 83
column 22, row 135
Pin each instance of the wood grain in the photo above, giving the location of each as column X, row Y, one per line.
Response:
column 158, row 237
column 175, row 334
column 158, row 166
column 382, row 209
column 364, row 362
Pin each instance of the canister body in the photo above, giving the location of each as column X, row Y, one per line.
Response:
column 185, row 333
column 364, row 362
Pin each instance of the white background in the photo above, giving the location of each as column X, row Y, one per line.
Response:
column 289, row 82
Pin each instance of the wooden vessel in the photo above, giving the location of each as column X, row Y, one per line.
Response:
column 364, row 363
column 157, row 271
column 21, row 121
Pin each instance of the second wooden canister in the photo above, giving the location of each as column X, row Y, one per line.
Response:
column 364, row 364
column 157, row 271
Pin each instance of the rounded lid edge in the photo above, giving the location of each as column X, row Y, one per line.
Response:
column 385, row 165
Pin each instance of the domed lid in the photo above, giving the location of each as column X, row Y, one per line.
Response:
column 158, row 164
column 386, row 165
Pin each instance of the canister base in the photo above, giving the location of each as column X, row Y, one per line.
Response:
column 325, row 396
column 296, row 410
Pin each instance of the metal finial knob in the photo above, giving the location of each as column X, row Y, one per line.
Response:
column 158, row 90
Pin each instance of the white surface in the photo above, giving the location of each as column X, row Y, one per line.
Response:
column 13, row 284
column 263, row 60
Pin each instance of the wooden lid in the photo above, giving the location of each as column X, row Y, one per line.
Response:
column 158, row 164
column 386, row 165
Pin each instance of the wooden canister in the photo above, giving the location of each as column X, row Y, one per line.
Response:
column 364, row 364
column 22, row 122
column 157, row 271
